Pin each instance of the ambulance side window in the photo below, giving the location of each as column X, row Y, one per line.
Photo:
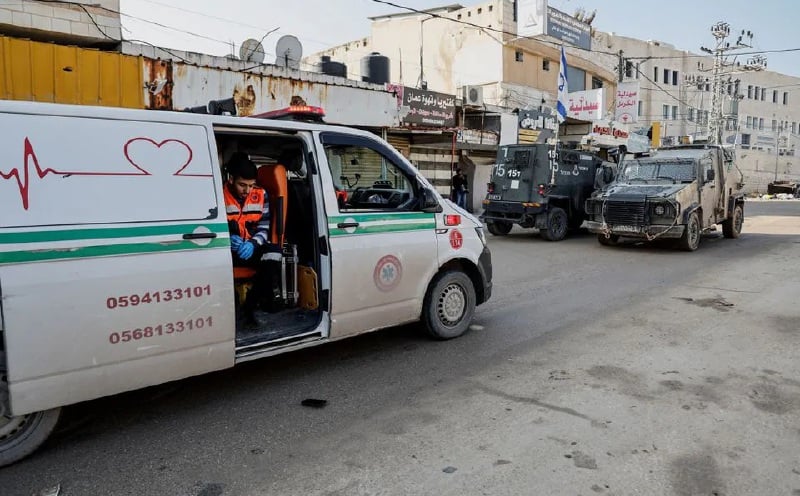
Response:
column 367, row 180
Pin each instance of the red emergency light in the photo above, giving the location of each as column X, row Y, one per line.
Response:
column 296, row 113
column 452, row 220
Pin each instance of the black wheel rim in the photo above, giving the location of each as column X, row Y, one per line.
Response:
column 558, row 226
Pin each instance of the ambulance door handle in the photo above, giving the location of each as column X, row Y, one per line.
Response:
column 200, row 235
column 345, row 225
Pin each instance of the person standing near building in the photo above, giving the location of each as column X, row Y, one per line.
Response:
column 460, row 190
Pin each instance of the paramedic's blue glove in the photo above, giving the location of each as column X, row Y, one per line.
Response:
column 246, row 250
column 236, row 242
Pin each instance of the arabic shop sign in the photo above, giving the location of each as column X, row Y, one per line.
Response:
column 626, row 108
column 568, row 29
column 429, row 108
column 585, row 105
column 535, row 127
column 610, row 129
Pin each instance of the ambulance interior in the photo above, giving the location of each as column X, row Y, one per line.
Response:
column 289, row 309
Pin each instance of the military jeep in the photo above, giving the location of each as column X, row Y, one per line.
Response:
column 676, row 193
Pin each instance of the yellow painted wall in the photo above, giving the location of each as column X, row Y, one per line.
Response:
column 46, row 72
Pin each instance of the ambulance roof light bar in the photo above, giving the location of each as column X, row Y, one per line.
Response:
column 296, row 113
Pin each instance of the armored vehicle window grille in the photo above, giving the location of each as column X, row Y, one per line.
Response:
column 625, row 213
column 677, row 169
column 521, row 159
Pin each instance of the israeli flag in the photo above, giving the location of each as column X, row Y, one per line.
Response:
column 563, row 88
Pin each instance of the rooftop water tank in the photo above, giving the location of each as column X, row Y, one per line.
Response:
column 375, row 68
column 331, row 68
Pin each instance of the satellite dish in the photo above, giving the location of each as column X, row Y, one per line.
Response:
column 252, row 51
column 288, row 52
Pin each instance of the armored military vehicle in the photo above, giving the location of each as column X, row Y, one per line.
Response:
column 678, row 192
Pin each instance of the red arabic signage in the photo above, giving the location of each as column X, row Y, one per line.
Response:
column 585, row 105
column 610, row 130
column 626, row 108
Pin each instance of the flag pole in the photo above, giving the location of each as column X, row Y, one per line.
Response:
column 561, row 104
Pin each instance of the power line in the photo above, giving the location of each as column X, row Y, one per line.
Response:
column 205, row 14
column 667, row 57
column 486, row 28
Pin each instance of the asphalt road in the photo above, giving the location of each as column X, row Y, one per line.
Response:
column 593, row 370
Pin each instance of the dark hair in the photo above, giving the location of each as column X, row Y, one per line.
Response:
column 240, row 165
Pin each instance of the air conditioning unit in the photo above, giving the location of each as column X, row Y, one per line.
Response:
column 473, row 95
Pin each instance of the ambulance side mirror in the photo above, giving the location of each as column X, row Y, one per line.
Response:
column 430, row 204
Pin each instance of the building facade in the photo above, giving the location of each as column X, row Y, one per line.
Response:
column 94, row 23
column 453, row 48
column 761, row 107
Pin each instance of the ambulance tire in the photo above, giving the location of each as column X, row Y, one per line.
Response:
column 499, row 228
column 449, row 305
column 22, row 435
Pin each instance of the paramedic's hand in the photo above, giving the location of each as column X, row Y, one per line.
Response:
column 246, row 250
column 236, row 242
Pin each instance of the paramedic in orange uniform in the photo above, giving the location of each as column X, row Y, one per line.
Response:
column 247, row 208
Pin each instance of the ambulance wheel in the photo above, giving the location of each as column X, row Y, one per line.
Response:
column 21, row 435
column 499, row 228
column 449, row 305
column 557, row 225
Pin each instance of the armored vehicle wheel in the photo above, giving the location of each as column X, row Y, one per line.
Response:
column 557, row 225
column 499, row 228
column 607, row 241
column 732, row 227
column 691, row 236
column 449, row 305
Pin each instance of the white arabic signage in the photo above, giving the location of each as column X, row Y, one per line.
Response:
column 531, row 17
column 626, row 108
column 585, row 105
column 614, row 134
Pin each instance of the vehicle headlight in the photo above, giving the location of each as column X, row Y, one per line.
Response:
column 660, row 210
column 481, row 234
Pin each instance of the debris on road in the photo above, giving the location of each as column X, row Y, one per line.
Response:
column 314, row 403
column 50, row 491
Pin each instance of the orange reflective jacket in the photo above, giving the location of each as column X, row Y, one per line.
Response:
column 244, row 217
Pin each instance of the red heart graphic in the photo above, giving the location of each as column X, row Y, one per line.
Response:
column 141, row 167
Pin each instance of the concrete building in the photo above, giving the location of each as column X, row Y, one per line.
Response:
column 763, row 107
column 473, row 53
column 91, row 23
column 443, row 53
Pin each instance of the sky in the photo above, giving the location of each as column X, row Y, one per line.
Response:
column 219, row 27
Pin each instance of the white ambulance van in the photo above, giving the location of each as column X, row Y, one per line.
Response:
column 116, row 270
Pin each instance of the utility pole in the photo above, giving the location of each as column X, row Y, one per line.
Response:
column 620, row 67
column 777, row 146
column 722, row 67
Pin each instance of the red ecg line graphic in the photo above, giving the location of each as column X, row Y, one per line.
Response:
column 23, row 178
column 183, row 166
